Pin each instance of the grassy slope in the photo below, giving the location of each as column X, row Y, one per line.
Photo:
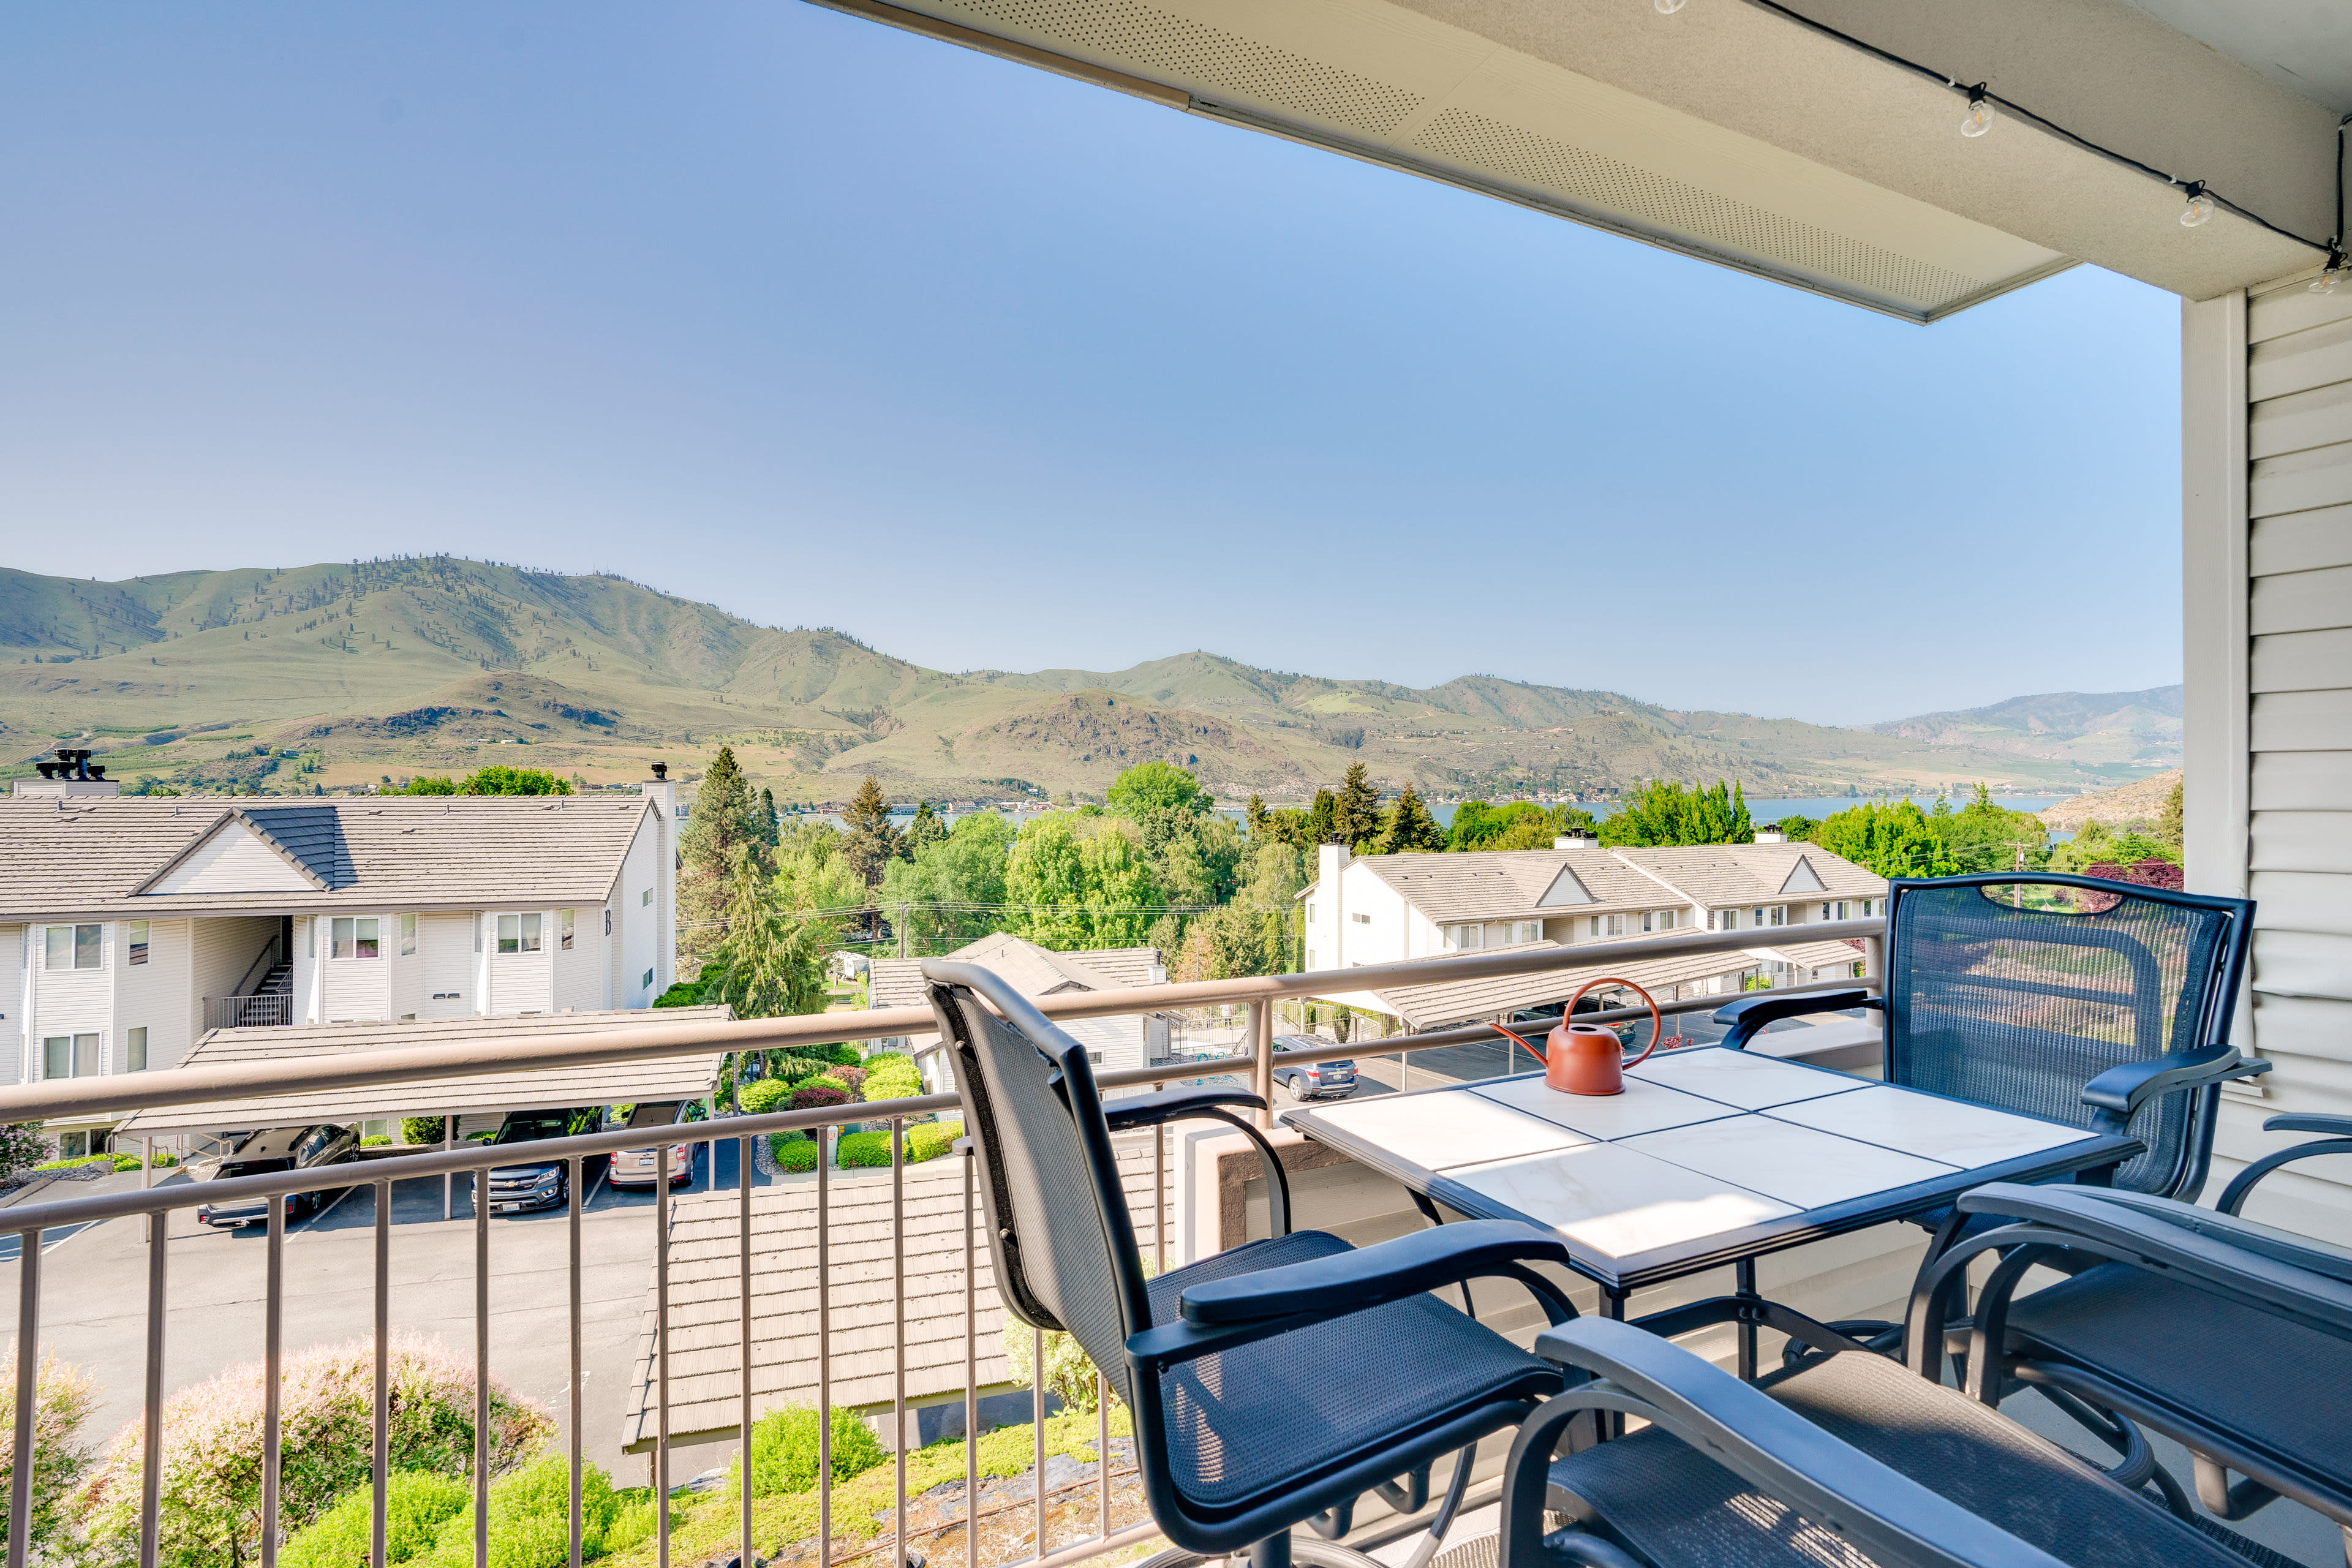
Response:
column 601, row 677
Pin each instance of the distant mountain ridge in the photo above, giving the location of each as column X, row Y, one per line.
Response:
column 391, row 667
column 2140, row 729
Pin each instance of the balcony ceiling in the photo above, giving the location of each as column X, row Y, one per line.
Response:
column 1731, row 134
column 2303, row 46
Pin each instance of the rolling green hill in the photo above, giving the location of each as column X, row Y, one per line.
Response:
column 391, row 667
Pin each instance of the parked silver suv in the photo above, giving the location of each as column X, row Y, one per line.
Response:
column 1312, row 1080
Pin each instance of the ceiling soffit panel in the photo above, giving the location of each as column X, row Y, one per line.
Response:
column 1401, row 88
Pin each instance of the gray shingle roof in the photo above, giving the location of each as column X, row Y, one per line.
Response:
column 1459, row 1001
column 1728, row 876
column 1511, row 884
column 532, row 1089
column 88, row 858
column 1032, row 970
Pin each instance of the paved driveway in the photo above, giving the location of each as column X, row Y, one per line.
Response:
column 94, row 1292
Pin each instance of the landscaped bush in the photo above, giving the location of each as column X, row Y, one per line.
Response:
column 793, row 1067
column 792, row 1151
column 862, row 1150
column 376, row 1141
column 421, row 1128
column 77, row 1162
column 211, row 1483
column 530, row 1518
column 892, row 1076
column 845, row 1055
column 930, row 1140
column 124, row 1160
column 763, row 1095
column 851, row 1078
column 22, row 1146
column 62, row 1398
column 816, row 1095
column 415, row 1505
column 784, row 1451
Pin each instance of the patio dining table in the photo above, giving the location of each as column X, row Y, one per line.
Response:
column 1709, row 1157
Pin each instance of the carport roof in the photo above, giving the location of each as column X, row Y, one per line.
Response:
column 610, row 1083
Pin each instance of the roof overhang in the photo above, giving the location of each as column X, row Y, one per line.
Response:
column 1746, row 134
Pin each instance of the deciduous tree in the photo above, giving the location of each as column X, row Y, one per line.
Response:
column 1894, row 839
column 1156, row 787
column 1663, row 812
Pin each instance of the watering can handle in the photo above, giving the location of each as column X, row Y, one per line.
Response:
column 1657, row 1019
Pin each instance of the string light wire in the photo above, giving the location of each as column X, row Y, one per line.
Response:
column 1978, row 92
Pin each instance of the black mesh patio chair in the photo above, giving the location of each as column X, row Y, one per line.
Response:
column 1272, row 1385
column 2232, row 1338
column 2103, row 1005
column 1844, row 1461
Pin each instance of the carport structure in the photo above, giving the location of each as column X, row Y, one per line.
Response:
column 459, row 1097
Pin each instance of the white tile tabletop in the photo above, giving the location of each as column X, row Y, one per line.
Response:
column 1616, row 1200
column 1949, row 1130
column 1796, row 1164
column 1645, row 1107
column 1736, row 1078
column 1435, row 1131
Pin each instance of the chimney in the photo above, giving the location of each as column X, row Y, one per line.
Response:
column 1771, row 835
column 1331, row 859
column 1577, row 839
column 71, row 775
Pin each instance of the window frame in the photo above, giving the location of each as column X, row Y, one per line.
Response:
column 76, row 1045
column 138, row 939
column 134, row 1048
column 73, row 947
column 409, row 935
column 564, row 928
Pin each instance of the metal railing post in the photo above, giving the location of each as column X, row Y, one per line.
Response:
column 743, row 1263
column 661, row 1355
column 572, row 1393
column 150, row 1445
column 272, row 1341
column 1261, row 1037
column 380, row 1480
column 970, row 1375
column 28, row 1373
column 898, row 1336
column 481, row 1369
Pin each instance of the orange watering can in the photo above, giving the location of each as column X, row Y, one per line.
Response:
column 1588, row 1058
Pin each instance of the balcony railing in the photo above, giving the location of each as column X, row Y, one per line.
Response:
column 96, row 1097
column 247, row 1012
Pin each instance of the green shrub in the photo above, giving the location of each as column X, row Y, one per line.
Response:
column 124, row 1160
column 784, row 1451
column 828, row 1080
column 211, row 1478
column 798, row 1069
column 415, row 1505
column 792, row 1151
column 862, row 1151
column 888, row 1061
column 530, row 1518
column 763, row 1095
column 76, row 1164
column 62, row 1398
column 423, row 1129
column 845, row 1055
column 930, row 1140
column 893, row 1086
column 376, row 1141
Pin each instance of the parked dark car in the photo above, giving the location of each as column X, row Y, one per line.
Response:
column 1312, row 1080
column 537, row 1183
column 273, row 1152
column 634, row 1167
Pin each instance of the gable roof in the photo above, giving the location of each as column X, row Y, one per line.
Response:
column 1030, row 970
column 1448, row 1001
column 1514, row 884
column 111, row 858
column 1728, row 876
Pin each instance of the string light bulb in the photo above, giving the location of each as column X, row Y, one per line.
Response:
column 2199, row 205
column 1668, row 7
column 1980, row 115
column 2332, row 276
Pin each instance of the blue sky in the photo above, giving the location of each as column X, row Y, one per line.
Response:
column 830, row 324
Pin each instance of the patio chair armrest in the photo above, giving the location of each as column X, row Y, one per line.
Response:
column 1894, row 1519
column 1751, row 1013
column 2233, row 1196
column 1365, row 1277
column 2115, row 1093
column 2192, row 1247
column 1174, row 1105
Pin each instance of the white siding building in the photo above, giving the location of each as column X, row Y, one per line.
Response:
column 129, row 927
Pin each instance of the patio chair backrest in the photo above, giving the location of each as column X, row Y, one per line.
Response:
column 2015, row 991
column 1048, row 1173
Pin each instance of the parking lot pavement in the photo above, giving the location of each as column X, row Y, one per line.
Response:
column 94, row 1293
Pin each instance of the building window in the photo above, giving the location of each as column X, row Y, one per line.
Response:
column 355, row 937
column 518, row 934
column 1310, row 914
column 72, row 947
column 648, row 981
column 69, row 1055
column 1724, row 919
column 134, row 939
column 1361, row 919
column 1659, row 919
column 646, row 899
column 1609, row 925
column 408, row 936
column 567, row 929
column 137, row 1048
column 1465, row 939
column 1778, row 915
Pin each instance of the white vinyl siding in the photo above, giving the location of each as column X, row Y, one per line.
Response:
column 2271, row 804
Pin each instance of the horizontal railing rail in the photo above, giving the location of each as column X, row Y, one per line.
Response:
column 356, row 1069
column 199, row 1085
column 249, row 1011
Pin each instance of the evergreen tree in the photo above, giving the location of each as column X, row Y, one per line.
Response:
column 1410, row 828
column 926, row 830
column 871, row 843
column 771, row 962
column 2167, row 823
column 726, row 817
column 767, row 814
column 1356, row 819
column 1322, row 819
column 1259, row 821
